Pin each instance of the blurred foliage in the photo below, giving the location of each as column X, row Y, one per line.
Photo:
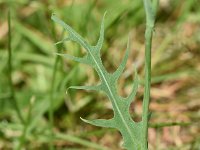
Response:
column 38, row 75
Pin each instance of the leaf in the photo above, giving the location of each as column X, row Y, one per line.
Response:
column 122, row 121
column 77, row 59
column 122, row 66
column 101, row 37
column 96, row 88
column 101, row 122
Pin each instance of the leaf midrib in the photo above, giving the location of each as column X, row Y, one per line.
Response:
column 120, row 113
column 111, row 93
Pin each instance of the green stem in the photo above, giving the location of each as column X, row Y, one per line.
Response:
column 51, row 113
column 169, row 124
column 14, row 102
column 150, row 19
column 26, row 125
column 55, row 68
column 146, row 100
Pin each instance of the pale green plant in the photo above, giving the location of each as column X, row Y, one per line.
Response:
column 134, row 133
column 150, row 11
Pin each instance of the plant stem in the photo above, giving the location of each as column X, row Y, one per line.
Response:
column 51, row 113
column 14, row 102
column 169, row 124
column 55, row 67
column 150, row 19
column 146, row 100
column 26, row 124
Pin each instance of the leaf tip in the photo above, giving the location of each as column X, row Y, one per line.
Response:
column 84, row 120
column 52, row 15
column 54, row 53
column 67, row 88
column 105, row 13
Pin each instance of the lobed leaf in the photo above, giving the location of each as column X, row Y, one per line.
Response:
column 122, row 121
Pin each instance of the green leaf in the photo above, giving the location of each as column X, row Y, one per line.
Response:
column 101, row 122
column 97, row 87
column 77, row 59
column 122, row 121
column 122, row 66
column 130, row 98
column 101, row 36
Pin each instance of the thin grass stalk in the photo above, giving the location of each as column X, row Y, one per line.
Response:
column 50, row 112
column 55, row 68
column 169, row 124
column 26, row 125
column 10, row 68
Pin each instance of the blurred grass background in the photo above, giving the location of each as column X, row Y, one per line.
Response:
column 40, row 78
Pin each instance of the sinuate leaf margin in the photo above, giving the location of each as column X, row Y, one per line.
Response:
column 122, row 121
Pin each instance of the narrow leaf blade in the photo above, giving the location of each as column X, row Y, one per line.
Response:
column 77, row 59
column 122, row 66
column 101, row 122
column 101, row 36
column 130, row 98
column 95, row 87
